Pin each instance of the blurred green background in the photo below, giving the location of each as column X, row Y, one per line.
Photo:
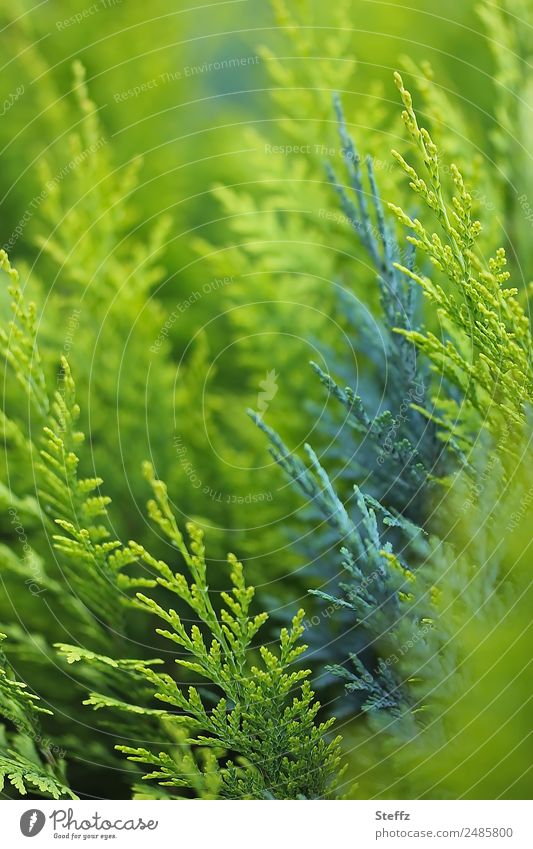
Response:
column 189, row 126
column 204, row 285
column 229, row 107
column 197, row 93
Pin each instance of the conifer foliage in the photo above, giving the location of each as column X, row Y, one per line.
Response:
column 265, row 715
column 27, row 759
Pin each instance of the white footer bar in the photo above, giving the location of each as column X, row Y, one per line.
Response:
column 263, row 825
